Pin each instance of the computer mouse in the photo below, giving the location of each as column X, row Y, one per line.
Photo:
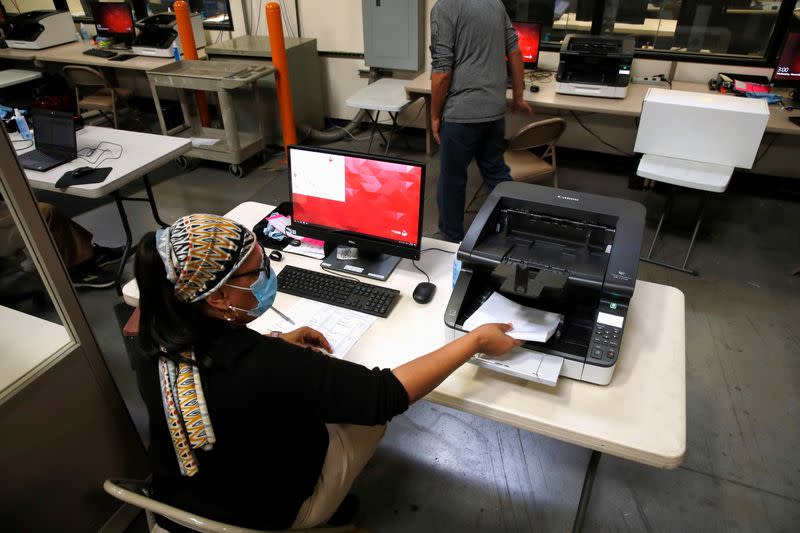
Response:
column 423, row 293
column 534, row 88
column 275, row 255
column 81, row 171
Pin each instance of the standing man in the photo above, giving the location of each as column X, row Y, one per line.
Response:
column 470, row 41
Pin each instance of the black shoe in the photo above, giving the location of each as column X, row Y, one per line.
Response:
column 346, row 512
column 92, row 278
column 104, row 256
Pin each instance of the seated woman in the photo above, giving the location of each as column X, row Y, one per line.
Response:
column 260, row 431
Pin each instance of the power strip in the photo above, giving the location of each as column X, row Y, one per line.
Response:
column 658, row 79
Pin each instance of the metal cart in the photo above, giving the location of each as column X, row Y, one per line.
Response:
column 222, row 77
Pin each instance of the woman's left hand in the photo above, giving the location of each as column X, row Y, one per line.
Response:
column 307, row 337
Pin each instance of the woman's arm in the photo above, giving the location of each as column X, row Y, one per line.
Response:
column 425, row 373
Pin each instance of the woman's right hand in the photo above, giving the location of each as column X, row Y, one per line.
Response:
column 493, row 341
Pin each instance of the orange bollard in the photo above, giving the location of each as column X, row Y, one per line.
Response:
column 284, row 90
column 184, row 19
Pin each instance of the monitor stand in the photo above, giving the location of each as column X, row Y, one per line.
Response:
column 373, row 265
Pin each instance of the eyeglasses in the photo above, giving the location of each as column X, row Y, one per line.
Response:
column 263, row 267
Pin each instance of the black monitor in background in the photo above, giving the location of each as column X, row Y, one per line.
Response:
column 542, row 11
column 528, row 34
column 368, row 202
column 631, row 11
column 584, row 10
column 701, row 26
column 787, row 69
column 114, row 20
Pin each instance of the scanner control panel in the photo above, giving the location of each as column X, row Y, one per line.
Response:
column 607, row 334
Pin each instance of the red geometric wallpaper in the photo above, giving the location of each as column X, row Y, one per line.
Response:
column 381, row 199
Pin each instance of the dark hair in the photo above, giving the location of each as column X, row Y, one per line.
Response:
column 164, row 320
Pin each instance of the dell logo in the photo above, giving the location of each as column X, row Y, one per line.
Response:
column 571, row 199
column 351, row 242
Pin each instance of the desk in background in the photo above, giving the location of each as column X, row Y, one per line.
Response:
column 630, row 106
column 639, row 416
column 140, row 154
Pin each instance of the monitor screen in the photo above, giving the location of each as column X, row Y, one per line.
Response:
column 787, row 70
column 113, row 19
column 528, row 34
column 370, row 202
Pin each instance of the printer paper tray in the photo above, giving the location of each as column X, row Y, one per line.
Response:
column 525, row 364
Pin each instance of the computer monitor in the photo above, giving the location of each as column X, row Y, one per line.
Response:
column 528, row 34
column 787, row 70
column 631, row 11
column 114, row 20
column 368, row 202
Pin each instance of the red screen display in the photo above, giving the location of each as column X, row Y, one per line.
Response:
column 528, row 36
column 112, row 18
column 788, row 67
column 361, row 195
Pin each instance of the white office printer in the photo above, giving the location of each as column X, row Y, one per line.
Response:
column 158, row 33
column 35, row 30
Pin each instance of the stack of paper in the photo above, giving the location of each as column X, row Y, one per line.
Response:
column 529, row 324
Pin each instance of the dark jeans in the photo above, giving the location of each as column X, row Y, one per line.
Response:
column 460, row 143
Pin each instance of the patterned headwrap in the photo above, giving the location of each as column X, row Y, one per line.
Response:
column 200, row 252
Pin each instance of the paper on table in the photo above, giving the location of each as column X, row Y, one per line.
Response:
column 529, row 324
column 342, row 327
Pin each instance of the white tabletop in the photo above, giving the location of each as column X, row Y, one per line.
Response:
column 140, row 153
column 15, row 76
column 683, row 173
column 27, row 343
column 640, row 415
column 386, row 94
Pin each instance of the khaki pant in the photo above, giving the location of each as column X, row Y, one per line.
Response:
column 349, row 448
column 74, row 243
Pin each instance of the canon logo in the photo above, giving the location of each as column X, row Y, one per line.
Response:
column 569, row 198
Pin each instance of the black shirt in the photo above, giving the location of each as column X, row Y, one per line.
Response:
column 268, row 401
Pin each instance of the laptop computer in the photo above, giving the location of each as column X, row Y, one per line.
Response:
column 54, row 135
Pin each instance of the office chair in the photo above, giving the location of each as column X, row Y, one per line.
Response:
column 101, row 95
column 136, row 493
column 525, row 165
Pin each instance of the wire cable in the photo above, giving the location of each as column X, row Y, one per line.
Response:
column 766, row 149
column 100, row 151
column 427, row 277
column 593, row 134
column 18, row 149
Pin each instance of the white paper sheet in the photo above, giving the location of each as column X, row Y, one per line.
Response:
column 342, row 327
column 529, row 324
column 199, row 142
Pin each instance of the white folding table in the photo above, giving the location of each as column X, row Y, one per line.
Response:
column 386, row 94
column 15, row 76
column 639, row 416
column 139, row 153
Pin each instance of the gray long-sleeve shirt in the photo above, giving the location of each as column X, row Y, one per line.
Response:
column 471, row 39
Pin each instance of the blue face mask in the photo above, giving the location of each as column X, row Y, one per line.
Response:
column 264, row 290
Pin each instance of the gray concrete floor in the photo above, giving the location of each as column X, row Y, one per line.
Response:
column 441, row 470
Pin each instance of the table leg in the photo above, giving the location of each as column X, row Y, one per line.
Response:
column 374, row 125
column 229, row 123
column 128, row 239
column 429, row 140
column 391, row 131
column 151, row 200
column 586, row 491
column 160, row 114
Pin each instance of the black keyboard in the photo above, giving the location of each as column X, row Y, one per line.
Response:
column 99, row 53
column 334, row 290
